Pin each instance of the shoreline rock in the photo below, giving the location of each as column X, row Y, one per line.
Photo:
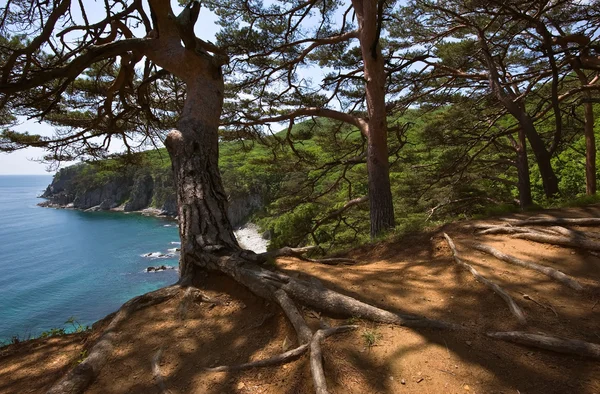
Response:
column 136, row 190
column 152, row 212
column 160, row 268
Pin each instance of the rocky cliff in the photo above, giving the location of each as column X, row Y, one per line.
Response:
column 132, row 189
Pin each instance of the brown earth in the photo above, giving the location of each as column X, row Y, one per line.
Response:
column 415, row 275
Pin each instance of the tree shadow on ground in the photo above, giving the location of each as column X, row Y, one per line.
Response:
column 420, row 279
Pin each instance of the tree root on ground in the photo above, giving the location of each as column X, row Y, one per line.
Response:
column 551, row 272
column 157, row 374
column 298, row 253
column 575, row 242
column 512, row 305
column 544, row 221
column 286, row 292
column 561, row 345
column 507, row 229
column 316, row 358
column 549, row 306
column 279, row 359
column 80, row 377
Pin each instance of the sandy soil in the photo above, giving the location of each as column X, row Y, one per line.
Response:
column 414, row 275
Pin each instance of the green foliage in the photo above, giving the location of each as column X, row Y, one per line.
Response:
column 53, row 332
column 71, row 326
column 444, row 165
column 82, row 356
column 371, row 337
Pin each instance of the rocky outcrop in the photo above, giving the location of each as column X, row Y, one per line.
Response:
column 141, row 193
column 105, row 197
column 132, row 190
column 61, row 191
column 240, row 208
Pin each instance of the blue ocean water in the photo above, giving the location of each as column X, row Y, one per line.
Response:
column 57, row 263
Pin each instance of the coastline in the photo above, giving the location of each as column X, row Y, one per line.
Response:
column 247, row 234
column 150, row 211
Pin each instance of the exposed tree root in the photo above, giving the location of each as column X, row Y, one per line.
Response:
column 189, row 296
column 79, row 378
column 573, row 233
column 288, row 356
column 288, row 252
column 508, row 229
column 255, row 277
column 286, row 292
column 316, row 358
column 575, row 242
column 332, row 261
column 549, row 306
column 561, row 345
column 552, row 221
column 298, row 253
column 551, row 272
column 512, row 305
column 293, row 314
column 156, row 373
column 279, row 359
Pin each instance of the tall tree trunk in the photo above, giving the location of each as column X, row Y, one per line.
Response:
column 509, row 98
column 523, row 182
column 542, row 156
column 204, row 228
column 380, row 195
column 590, row 137
column 590, row 148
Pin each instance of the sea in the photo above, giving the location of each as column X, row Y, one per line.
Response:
column 58, row 265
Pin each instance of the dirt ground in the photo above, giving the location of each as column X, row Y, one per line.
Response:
column 415, row 275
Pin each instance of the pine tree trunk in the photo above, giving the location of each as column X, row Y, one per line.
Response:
column 542, row 156
column 380, row 195
column 204, row 228
column 523, row 182
column 590, row 149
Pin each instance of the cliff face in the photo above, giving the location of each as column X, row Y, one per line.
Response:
column 132, row 190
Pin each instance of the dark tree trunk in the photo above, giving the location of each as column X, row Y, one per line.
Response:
column 380, row 194
column 523, row 182
column 590, row 149
column 590, row 138
column 542, row 156
column 204, row 228
column 509, row 98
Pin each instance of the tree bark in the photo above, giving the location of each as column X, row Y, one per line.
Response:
column 204, row 227
column 542, row 156
column 523, row 180
column 590, row 147
column 509, row 99
column 380, row 195
column 590, row 138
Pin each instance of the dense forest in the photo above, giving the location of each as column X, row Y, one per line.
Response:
column 354, row 119
column 305, row 202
